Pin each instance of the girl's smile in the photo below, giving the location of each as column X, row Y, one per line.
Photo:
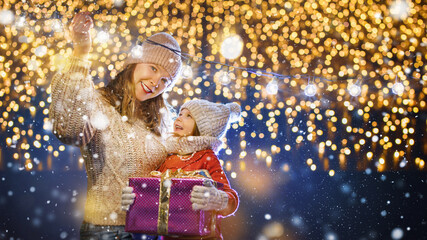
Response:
column 184, row 125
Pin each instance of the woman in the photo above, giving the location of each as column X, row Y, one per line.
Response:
column 109, row 125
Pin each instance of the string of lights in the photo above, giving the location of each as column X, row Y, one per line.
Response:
column 354, row 89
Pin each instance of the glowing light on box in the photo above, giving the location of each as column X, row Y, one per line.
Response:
column 232, row 47
column 331, row 172
column 187, row 71
column 272, row 87
column 310, row 90
column 6, row 17
column 354, row 90
column 398, row 88
column 102, row 37
column 400, row 9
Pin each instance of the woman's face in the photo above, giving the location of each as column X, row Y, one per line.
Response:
column 150, row 80
column 184, row 125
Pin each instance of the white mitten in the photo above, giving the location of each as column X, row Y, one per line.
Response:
column 208, row 198
column 127, row 198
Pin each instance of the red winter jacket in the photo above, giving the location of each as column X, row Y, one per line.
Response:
column 205, row 159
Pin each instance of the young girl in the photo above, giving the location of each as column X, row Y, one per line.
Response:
column 198, row 130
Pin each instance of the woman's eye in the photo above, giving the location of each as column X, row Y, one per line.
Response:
column 154, row 69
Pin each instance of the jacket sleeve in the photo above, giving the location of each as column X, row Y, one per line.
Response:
column 217, row 173
column 74, row 106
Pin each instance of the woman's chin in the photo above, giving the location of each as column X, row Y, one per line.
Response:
column 142, row 98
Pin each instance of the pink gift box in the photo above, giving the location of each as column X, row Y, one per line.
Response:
column 143, row 214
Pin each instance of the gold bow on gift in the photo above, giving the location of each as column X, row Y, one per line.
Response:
column 165, row 189
column 202, row 173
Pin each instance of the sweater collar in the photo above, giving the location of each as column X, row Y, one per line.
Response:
column 191, row 144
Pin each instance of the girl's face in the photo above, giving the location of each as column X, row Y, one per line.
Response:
column 150, row 80
column 184, row 125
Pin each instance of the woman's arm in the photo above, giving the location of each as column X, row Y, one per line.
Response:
column 74, row 100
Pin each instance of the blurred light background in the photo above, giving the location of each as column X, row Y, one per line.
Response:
column 331, row 143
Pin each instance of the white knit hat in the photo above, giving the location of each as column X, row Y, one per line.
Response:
column 160, row 49
column 212, row 119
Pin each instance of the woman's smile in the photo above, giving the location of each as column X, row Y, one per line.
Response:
column 150, row 81
column 146, row 88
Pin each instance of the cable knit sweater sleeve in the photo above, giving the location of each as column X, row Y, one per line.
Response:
column 217, row 173
column 75, row 106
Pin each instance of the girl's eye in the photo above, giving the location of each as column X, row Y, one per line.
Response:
column 154, row 68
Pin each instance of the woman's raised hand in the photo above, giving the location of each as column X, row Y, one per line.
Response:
column 80, row 34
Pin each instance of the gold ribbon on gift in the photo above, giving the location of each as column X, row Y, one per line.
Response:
column 165, row 189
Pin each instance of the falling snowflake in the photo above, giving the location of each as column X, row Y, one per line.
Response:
column 6, row 17
column 100, row 121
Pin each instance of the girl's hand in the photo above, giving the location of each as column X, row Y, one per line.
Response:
column 208, row 198
column 127, row 198
column 80, row 34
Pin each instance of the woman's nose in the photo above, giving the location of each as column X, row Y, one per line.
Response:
column 154, row 82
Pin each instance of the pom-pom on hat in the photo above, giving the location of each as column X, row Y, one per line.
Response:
column 161, row 49
column 212, row 119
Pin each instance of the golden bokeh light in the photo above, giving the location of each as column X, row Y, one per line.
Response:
column 348, row 93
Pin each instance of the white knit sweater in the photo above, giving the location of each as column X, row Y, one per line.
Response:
column 112, row 148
